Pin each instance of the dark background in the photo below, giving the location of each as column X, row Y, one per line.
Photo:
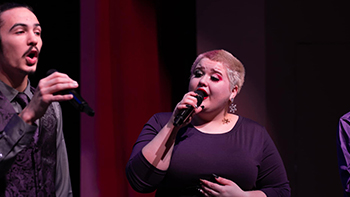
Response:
column 296, row 57
column 308, row 46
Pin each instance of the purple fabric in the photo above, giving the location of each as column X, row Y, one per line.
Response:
column 245, row 155
column 32, row 172
column 343, row 148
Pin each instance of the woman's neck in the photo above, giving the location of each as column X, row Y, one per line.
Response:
column 221, row 123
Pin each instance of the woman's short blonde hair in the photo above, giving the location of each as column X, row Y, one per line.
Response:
column 235, row 69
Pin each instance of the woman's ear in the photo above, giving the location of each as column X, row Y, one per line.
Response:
column 234, row 92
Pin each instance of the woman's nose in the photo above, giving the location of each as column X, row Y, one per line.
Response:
column 203, row 80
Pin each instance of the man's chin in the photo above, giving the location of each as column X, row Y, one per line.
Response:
column 31, row 70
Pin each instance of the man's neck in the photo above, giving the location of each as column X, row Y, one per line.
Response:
column 17, row 82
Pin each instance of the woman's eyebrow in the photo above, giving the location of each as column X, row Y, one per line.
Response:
column 215, row 70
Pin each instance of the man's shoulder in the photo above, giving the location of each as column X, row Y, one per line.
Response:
column 5, row 105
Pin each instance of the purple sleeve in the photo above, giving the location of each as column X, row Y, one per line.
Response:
column 272, row 177
column 143, row 176
column 343, row 149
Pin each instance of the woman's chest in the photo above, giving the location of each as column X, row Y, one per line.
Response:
column 197, row 157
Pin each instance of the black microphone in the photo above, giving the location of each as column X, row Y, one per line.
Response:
column 77, row 101
column 184, row 114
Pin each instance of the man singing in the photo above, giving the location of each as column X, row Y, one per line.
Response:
column 33, row 157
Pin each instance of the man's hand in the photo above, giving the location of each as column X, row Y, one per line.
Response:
column 45, row 94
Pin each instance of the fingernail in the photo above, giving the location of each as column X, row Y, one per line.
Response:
column 216, row 176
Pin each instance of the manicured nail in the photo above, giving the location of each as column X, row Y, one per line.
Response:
column 200, row 190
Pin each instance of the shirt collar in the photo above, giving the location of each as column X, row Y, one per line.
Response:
column 10, row 93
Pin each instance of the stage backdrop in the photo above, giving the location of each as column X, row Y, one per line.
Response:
column 297, row 74
column 120, row 72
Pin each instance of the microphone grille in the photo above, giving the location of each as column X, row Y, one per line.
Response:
column 49, row 72
column 200, row 97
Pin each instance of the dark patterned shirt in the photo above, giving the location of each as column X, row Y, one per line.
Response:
column 21, row 135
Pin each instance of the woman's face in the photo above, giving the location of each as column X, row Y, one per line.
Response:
column 211, row 77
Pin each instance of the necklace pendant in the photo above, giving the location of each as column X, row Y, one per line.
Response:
column 225, row 121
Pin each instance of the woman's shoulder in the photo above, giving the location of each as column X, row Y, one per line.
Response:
column 253, row 130
column 163, row 115
column 160, row 118
column 250, row 127
column 249, row 122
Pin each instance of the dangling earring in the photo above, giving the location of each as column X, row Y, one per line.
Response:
column 232, row 107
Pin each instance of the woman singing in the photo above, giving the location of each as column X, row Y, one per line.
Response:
column 212, row 153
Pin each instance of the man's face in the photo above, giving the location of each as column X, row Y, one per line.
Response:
column 21, row 42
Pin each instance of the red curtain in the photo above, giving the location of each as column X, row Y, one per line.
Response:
column 121, row 74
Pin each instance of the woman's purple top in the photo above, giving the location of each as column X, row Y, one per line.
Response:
column 245, row 155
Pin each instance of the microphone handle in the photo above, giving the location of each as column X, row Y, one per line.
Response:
column 184, row 114
column 77, row 101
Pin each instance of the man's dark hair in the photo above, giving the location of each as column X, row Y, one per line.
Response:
column 10, row 5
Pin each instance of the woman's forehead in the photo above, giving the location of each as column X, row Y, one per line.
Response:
column 206, row 63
